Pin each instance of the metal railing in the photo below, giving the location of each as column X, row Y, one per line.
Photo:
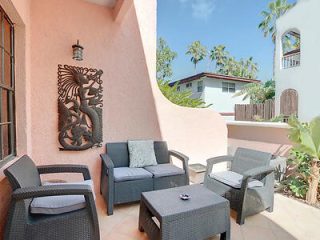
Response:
column 291, row 60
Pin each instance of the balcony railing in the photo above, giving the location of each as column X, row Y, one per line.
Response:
column 291, row 60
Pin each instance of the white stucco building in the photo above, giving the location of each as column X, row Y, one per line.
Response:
column 216, row 89
column 298, row 72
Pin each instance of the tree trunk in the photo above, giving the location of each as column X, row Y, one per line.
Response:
column 274, row 40
column 313, row 183
column 274, row 63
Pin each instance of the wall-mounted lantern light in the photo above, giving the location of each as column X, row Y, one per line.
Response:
column 77, row 52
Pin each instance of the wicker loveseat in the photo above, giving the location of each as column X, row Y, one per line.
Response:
column 121, row 184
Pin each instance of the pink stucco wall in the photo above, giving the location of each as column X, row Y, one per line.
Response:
column 271, row 139
column 134, row 108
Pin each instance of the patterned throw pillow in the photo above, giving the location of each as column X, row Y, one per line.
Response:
column 141, row 153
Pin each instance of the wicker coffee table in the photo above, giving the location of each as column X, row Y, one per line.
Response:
column 204, row 215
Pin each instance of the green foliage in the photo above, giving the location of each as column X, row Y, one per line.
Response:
column 276, row 9
column 290, row 42
column 270, row 89
column 258, row 92
column 165, row 56
column 181, row 98
column 298, row 187
column 220, row 56
column 306, row 136
column 197, row 51
column 278, row 118
column 298, row 173
column 228, row 65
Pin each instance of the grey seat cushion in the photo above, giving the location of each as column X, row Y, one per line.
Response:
column 234, row 179
column 164, row 170
column 59, row 204
column 126, row 174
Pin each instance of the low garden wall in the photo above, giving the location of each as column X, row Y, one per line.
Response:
column 263, row 136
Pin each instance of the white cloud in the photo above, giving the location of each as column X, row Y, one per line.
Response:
column 202, row 9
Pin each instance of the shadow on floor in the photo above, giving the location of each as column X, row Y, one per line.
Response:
column 124, row 225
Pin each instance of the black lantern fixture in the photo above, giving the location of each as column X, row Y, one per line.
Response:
column 77, row 52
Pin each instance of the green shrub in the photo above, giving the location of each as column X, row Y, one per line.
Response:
column 279, row 118
column 298, row 187
column 298, row 171
column 181, row 98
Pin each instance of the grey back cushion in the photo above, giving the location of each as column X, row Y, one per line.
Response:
column 141, row 153
column 161, row 151
column 119, row 153
column 23, row 173
column 246, row 159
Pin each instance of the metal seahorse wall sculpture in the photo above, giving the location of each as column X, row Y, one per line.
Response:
column 79, row 107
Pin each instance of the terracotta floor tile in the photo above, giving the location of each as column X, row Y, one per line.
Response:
column 258, row 233
column 291, row 220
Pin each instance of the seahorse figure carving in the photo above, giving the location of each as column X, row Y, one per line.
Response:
column 79, row 107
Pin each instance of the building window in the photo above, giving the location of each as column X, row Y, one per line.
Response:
column 7, row 89
column 228, row 87
column 291, row 55
column 178, row 89
column 200, row 86
column 189, row 85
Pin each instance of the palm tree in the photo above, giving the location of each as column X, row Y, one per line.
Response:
column 165, row 57
column 251, row 68
column 243, row 68
column 254, row 91
column 198, row 52
column 257, row 92
column 220, row 56
column 276, row 9
column 182, row 98
column 231, row 67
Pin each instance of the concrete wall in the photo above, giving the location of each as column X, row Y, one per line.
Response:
column 194, row 88
column 267, row 137
column 304, row 18
column 222, row 101
column 134, row 107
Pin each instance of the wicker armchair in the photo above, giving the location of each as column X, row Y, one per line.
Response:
column 246, row 201
column 24, row 178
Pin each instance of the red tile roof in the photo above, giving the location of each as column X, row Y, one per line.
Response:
column 216, row 76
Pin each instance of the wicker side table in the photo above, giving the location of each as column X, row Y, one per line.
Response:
column 197, row 172
column 204, row 215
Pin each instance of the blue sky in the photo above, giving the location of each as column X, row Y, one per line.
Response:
column 233, row 23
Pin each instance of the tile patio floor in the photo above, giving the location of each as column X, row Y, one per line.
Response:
column 291, row 220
